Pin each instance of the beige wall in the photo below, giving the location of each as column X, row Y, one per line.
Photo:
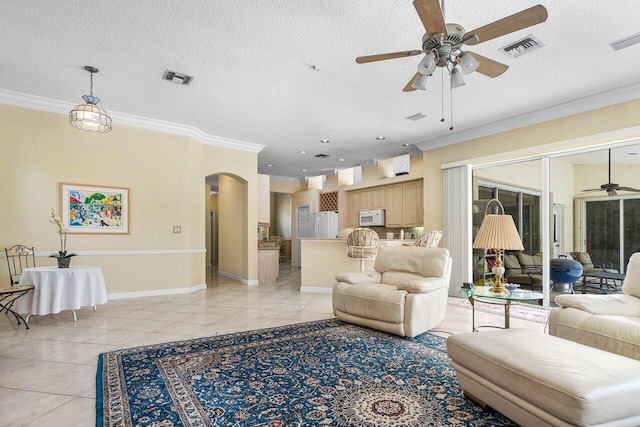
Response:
column 593, row 127
column 164, row 173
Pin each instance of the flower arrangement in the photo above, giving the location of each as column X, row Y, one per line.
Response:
column 62, row 253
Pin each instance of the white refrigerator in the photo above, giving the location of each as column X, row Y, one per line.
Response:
column 323, row 225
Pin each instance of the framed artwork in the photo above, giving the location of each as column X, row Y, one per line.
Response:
column 91, row 209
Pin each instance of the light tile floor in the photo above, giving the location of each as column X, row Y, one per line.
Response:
column 47, row 373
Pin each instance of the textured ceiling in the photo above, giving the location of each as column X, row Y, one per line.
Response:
column 282, row 73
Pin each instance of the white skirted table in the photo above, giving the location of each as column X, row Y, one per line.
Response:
column 58, row 289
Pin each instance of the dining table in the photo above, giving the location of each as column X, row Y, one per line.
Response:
column 57, row 289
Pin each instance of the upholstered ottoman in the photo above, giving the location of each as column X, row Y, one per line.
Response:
column 537, row 379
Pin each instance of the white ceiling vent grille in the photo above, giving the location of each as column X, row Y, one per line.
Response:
column 416, row 116
column 522, row 46
column 179, row 78
column 625, row 42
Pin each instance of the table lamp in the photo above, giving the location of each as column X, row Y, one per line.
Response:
column 498, row 232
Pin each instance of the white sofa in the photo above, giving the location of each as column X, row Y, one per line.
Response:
column 405, row 294
column 608, row 322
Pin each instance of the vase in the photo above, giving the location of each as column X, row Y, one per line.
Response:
column 63, row 262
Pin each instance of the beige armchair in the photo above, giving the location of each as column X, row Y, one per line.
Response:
column 406, row 293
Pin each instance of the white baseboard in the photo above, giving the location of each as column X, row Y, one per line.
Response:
column 238, row 278
column 156, row 292
column 317, row 290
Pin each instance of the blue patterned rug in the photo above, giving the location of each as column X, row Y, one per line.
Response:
column 324, row 373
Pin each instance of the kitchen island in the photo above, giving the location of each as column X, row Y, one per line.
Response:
column 323, row 259
column 268, row 264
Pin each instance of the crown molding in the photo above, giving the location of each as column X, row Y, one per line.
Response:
column 34, row 102
column 564, row 109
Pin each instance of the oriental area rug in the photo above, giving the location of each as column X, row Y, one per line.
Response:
column 323, row 373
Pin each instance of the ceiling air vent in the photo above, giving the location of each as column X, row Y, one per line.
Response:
column 179, row 78
column 522, row 46
column 321, row 156
column 625, row 42
column 416, row 116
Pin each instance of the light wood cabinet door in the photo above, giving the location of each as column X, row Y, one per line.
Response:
column 364, row 199
column 394, row 205
column 378, row 197
column 412, row 203
column 352, row 208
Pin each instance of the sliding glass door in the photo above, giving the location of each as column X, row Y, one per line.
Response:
column 612, row 230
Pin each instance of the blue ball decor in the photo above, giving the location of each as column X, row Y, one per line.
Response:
column 564, row 270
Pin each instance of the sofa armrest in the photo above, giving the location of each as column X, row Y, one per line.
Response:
column 422, row 286
column 360, row 277
column 613, row 304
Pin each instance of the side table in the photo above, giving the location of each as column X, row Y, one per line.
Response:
column 481, row 293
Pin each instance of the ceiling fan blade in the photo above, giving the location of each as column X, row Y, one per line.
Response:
column 384, row 56
column 489, row 67
column 633, row 190
column 430, row 14
column 526, row 18
column 408, row 87
column 591, row 190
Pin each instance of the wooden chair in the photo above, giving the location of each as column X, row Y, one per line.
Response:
column 19, row 257
column 362, row 243
column 430, row 240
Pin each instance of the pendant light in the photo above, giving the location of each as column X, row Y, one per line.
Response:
column 89, row 116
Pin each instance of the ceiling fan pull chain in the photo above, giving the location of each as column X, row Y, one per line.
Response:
column 442, row 97
column 451, row 111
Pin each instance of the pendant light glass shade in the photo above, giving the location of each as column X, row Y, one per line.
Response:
column 456, row 78
column 420, row 82
column 427, row 65
column 468, row 63
column 89, row 116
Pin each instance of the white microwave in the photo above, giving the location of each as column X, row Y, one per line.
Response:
column 372, row 218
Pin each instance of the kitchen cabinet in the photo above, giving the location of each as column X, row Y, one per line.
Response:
column 378, row 197
column 394, row 205
column 352, row 208
column 412, row 204
column 402, row 203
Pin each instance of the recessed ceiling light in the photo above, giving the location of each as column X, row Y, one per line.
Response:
column 324, row 141
column 380, row 138
column 269, row 166
column 302, row 152
column 406, row 145
column 341, row 160
column 304, row 170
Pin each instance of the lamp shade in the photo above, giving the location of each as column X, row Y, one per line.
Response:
column 89, row 116
column 498, row 232
column 456, row 78
column 427, row 65
column 420, row 82
column 468, row 63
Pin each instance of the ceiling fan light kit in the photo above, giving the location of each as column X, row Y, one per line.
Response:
column 443, row 44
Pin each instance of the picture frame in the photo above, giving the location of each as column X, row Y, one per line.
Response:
column 94, row 209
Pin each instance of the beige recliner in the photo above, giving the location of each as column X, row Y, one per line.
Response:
column 405, row 294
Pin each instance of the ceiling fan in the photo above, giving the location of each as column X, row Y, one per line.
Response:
column 442, row 44
column 610, row 187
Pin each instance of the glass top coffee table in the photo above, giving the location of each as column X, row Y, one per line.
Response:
column 482, row 294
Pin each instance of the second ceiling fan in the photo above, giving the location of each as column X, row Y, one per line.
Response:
column 442, row 44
